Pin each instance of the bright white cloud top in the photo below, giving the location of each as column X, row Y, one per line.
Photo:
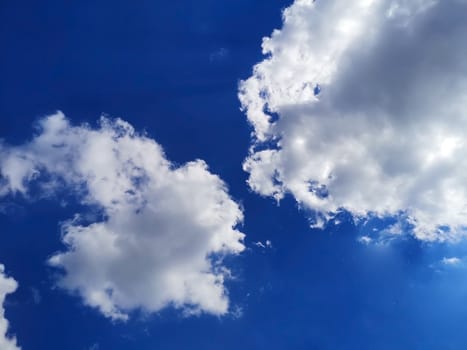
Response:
column 362, row 105
column 7, row 286
column 164, row 229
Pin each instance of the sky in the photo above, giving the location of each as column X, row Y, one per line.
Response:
column 236, row 174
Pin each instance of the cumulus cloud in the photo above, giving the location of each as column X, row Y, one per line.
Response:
column 7, row 285
column 362, row 106
column 161, row 232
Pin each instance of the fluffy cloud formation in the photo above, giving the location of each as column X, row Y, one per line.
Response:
column 362, row 106
column 163, row 229
column 7, row 285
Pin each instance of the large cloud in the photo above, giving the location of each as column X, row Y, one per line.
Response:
column 362, row 105
column 7, row 285
column 164, row 229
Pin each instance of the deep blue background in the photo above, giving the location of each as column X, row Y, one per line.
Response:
column 172, row 69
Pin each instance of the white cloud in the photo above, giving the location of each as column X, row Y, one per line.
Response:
column 451, row 261
column 266, row 244
column 365, row 240
column 385, row 135
column 164, row 229
column 7, row 285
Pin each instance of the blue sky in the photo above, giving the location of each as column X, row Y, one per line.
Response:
column 359, row 189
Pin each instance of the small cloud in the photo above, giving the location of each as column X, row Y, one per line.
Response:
column 36, row 295
column 445, row 264
column 259, row 244
column 365, row 240
column 451, row 261
column 94, row 346
column 266, row 244
column 236, row 312
column 219, row 55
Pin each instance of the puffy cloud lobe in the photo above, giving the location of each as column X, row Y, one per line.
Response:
column 7, row 285
column 164, row 230
column 362, row 106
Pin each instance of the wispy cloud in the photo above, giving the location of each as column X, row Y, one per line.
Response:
column 266, row 244
column 219, row 55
